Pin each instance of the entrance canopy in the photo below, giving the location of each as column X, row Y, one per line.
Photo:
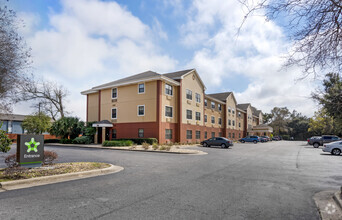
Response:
column 103, row 124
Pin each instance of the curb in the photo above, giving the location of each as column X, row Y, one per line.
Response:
column 338, row 199
column 44, row 180
column 112, row 148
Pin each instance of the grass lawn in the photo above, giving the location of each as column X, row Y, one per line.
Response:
column 18, row 173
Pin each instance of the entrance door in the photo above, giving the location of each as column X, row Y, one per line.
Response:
column 99, row 135
column 107, row 134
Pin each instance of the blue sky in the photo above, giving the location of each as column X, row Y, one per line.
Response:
column 84, row 43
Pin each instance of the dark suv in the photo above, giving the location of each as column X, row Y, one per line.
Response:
column 217, row 141
column 319, row 141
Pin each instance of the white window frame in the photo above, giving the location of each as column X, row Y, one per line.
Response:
column 205, row 102
column 233, row 111
column 205, row 118
column 199, row 134
column 167, row 137
column 187, row 114
column 111, row 113
column 144, row 88
column 171, row 89
column 138, row 110
column 213, row 117
column 212, row 105
column 229, row 110
column 219, row 106
column 197, row 95
column 186, row 94
column 116, row 93
column 220, row 121
column 143, row 132
column 199, row 116
column 171, row 111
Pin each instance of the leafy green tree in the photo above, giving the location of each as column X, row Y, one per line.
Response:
column 321, row 123
column 298, row 126
column 37, row 123
column 267, row 117
column 67, row 127
column 279, row 119
column 5, row 142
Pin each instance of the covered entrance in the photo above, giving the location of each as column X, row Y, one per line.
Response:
column 261, row 130
column 102, row 131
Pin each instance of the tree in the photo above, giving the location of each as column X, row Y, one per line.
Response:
column 15, row 57
column 37, row 123
column 267, row 117
column 321, row 123
column 67, row 127
column 51, row 96
column 279, row 120
column 298, row 126
column 315, row 26
column 5, row 142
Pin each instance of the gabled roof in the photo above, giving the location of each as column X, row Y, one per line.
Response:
column 243, row 106
column 220, row 96
column 214, row 99
column 178, row 74
column 255, row 111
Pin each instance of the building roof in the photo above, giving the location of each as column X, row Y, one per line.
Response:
column 12, row 117
column 220, row 96
column 243, row 106
column 178, row 74
column 214, row 99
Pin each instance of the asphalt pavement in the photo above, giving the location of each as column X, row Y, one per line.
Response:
column 274, row 180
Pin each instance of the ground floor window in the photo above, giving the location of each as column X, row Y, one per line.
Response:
column 233, row 135
column 220, row 134
column 113, row 133
column 141, row 133
column 188, row 134
column 168, row 133
column 229, row 135
column 212, row 134
column 198, row 135
column 205, row 135
column 239, row 135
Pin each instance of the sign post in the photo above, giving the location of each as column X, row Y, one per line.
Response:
column 30, row 150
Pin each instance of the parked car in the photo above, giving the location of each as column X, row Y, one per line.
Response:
column 317, row 141
column 254, row 139
column 276, row 138
column 335, row 148
column 217, row 141
column 265, row 138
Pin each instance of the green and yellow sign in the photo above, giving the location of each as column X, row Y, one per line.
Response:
column 30, row 150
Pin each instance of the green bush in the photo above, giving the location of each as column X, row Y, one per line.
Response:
column 82, row 140
column 286, row 137
column 51, row 141
column 65, row 141
column 118, row 143
column 140, row 141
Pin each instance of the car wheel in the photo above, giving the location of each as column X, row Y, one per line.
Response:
column 254, row 142
column 336, row 152
column 223, row 146
column 242, row 141
column 205, row 145
column 315, row 145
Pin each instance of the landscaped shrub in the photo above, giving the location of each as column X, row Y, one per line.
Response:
column 65, row 141
column 286, row 137
column 51, row 141
column 11, row 161
column 168, row 148
column 140, row 141
column 145, row 146
column 119, row 143
column 155, row 146
column 49, row 157
column 163, row 147
column 82, row 140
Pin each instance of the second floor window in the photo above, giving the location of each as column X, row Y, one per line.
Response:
column 205, row 118
column 212, row 104
column 189, row 94
column 233, row 111
column 219, row 107
column 212, row 119
column 220, row 121
column 141, row 110
column 198, row 116
column 114, row 93
column 205, row 102
column 233, row 123
column 198, row 98
column 188, row 114
column 229, row 122
column 168, row 89
column 141, row 88
column 114, row 113
column 168, row 111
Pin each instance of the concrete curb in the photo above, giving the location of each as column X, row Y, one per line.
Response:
column 198, row 152
column 19, row 184
column 327, row 206
column 338, row 199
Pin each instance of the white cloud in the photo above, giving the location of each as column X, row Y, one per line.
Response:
column 255, row 54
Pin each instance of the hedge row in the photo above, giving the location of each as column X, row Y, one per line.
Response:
column 118, row 143
column 140, row 141
column 78, row 140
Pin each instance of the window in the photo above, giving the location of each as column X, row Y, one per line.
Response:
column 198, row 135
column 141, row 110
column 233, row 123
column 205, row 118
column 168, row 89
column 220, row 121
column 229, row 122
column 212, row 104
column 114, row 115
column 219, row 107
column 205, row 135
column 212, row 134
column 141, row 133
column 168, row 133
column 233, row 135
column 198, row 116
column 212, row 119
column 220, row 134
column 198, row 98
column 189, row 94
column 239, row 135
column 188, row 134
column 168, row 111
column 188, row 114
column 233, row 111
column 229, row 110
column 141, row 88
column 239, row 125
column 239, row 114
column 205, row 102
column 229, row 135
column 114, row 93
column 113, row 133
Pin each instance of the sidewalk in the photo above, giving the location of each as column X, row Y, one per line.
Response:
column 329, row 204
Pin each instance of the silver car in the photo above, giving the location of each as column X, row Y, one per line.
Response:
column 335, row 148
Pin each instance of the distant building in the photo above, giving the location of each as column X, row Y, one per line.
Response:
column 11, row 123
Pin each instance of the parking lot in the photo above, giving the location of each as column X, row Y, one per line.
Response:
column 274, row 180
